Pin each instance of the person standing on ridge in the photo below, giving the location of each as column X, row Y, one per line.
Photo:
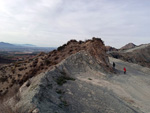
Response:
column 113, row 65
column 124, row 70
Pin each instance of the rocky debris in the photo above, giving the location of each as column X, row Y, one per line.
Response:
column 128, row 46
column 139, row 55
column 73, row 95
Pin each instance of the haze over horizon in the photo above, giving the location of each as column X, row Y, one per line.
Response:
column 51, row 23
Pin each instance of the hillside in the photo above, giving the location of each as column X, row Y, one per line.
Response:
column 109, row 48
column 139, row 55
column 75, row 85
column 128, row 46
column 15, row 74
column 76, row 78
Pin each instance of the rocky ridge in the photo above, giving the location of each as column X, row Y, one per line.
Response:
column 15, row 74
column 67, row 89
column 75, row 78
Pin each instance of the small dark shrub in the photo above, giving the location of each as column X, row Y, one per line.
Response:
column 47, row 62
column 59, row 91
column 25, row 68
column 16, row 64
column 63, row 102
column 10, row 76
column 61, row 47
column 56, row 58
column 41, row 64
column 13, row 70
column 21, row 82
column 89, row 78
column 3, row 79
column 28, row 83
column 11, row 85
column 70, row 51
column 63, row 79
column 13, row 81
column 19, row 75
column 80, row 42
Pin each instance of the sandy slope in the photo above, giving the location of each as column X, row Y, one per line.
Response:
column 134, row 87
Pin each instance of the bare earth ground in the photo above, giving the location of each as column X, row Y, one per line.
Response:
column 133, row 87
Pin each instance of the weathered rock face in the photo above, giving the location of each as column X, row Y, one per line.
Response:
column 65, row 89
column 139, row 55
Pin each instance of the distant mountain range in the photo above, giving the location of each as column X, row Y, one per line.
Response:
column 8, row 45
column 23, row 47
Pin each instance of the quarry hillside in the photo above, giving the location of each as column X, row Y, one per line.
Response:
column 78, row 77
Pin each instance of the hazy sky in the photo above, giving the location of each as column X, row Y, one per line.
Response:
column 54, row 22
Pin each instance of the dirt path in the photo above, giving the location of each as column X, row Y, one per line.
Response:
column 135, row 85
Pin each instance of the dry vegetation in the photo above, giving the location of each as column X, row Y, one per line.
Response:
column 6, row 107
